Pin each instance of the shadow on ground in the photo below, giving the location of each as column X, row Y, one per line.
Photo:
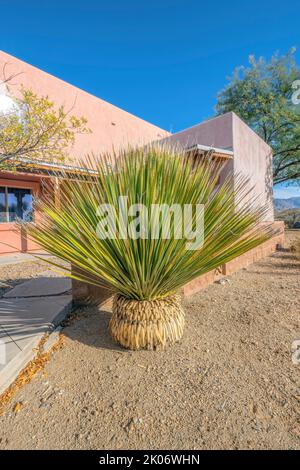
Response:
column 90, row 322
column 89, row 325
column 9, row 284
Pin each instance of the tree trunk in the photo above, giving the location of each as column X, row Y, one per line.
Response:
column 147, row 324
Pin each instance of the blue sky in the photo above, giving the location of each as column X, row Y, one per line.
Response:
column 162, row 60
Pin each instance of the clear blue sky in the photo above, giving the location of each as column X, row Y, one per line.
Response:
column 163, row 60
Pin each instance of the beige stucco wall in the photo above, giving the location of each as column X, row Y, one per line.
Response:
column 111, row 127
column 215, row 132
column 253, row 158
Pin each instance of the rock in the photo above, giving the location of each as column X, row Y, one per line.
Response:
column 222, row 281
column 45, row 405
column 137, row 420
column 133, row 423
column 129, row 427
column 296, row 432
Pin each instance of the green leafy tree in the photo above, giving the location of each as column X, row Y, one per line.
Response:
column 266, row 96
column 33, row 128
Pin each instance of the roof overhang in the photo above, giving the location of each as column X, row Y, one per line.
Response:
column 38, row 167
column 214, row 151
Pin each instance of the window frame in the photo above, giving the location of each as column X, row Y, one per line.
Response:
column 6, row 188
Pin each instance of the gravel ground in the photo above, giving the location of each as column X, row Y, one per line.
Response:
column 229, row 384
column 13, row 274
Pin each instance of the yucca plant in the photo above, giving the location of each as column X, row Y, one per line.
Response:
column 146, row 271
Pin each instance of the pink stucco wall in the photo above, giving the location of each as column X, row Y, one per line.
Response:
column 111, row 127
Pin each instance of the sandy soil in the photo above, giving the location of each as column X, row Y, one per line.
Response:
column 230, row 383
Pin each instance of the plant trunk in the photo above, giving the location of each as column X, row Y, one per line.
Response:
column 146, row 324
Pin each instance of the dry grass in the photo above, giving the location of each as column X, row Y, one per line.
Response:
column 36, row 365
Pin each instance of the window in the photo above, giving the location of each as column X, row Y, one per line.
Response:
column 15, row 203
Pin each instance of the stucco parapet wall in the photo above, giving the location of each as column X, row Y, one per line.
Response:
column 84, row 292
column 112, row 128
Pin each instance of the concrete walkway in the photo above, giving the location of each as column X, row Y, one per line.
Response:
column 27, row 312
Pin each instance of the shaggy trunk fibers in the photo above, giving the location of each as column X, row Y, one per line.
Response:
column 146, row 324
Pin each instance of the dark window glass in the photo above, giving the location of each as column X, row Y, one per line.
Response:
column 3, row 216
column 19, row 202
column 15, row 203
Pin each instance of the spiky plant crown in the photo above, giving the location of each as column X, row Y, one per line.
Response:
column 148, row 268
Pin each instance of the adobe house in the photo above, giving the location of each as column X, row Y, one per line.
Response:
column 111, row 128
column 229, row 139
column 226, row 137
